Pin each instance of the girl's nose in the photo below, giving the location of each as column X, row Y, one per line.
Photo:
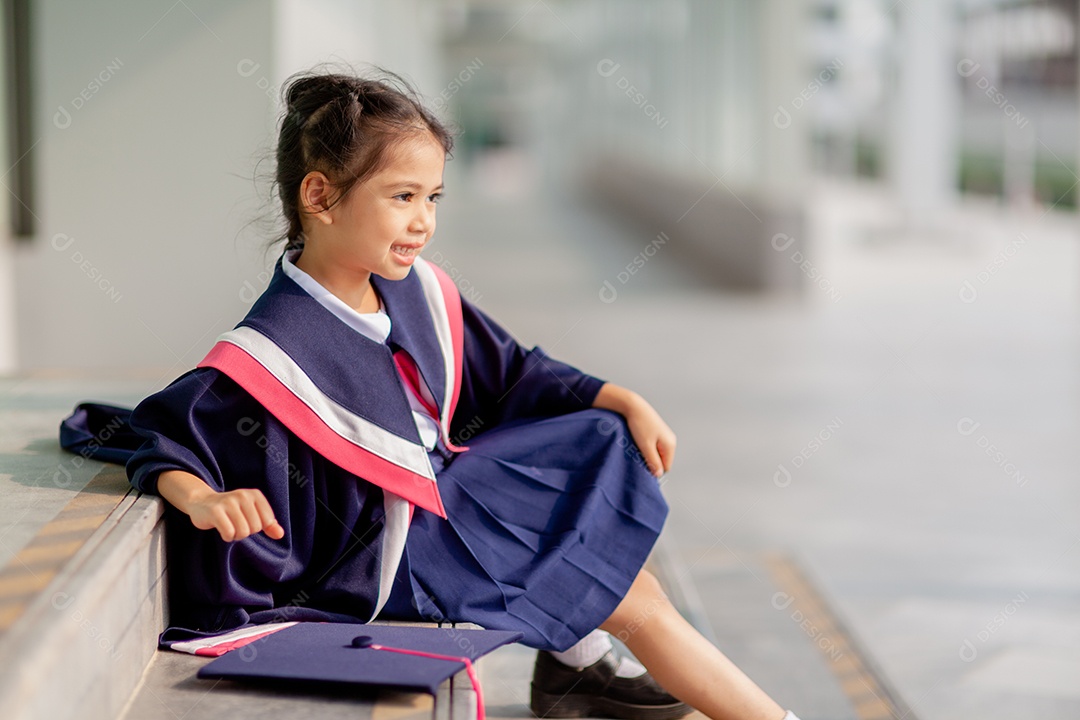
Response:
column 423, row 220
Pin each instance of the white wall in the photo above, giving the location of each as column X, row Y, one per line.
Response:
column 141, row 196
column 147, row 249
column 403, row 36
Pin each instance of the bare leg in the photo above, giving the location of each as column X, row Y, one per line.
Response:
column 685, row 663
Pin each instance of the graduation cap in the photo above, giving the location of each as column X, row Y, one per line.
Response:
column 405, row 658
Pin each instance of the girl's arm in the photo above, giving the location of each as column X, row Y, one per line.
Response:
column 654, row 438
column 235, row 514
column 503, row 380
column 191, row 427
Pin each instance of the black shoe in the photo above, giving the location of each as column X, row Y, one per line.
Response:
column 560, row 691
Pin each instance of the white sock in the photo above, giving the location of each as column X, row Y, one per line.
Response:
column 629, row 667
column 588, row 650
column 594, row 646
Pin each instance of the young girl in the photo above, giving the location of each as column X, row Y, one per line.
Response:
column 366, row 443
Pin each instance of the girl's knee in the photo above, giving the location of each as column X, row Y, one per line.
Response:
column 646, row 584
column 609, row 422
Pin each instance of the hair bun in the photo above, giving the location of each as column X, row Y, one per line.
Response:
column 310, row 93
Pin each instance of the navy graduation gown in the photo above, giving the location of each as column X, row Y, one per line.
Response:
column 539, row 525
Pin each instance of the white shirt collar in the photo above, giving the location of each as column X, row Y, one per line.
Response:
column 375, row 326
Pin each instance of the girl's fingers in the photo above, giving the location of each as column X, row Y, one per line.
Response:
column 224, row 526
column 240, row 522
column 239, row 514
column 667, row 453
column 262, row 507
column 250, row 509
column 652, row 459
column 270, row 525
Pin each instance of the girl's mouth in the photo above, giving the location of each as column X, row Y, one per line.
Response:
column 405, row 252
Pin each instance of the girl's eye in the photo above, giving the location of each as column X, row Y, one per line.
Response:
column 407, row 196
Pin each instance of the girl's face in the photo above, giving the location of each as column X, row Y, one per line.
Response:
column 384, row 222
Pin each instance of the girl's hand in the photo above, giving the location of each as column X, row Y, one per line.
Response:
column 234, row 514
column 655, row 440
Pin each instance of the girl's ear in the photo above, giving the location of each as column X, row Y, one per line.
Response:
column 316, row 196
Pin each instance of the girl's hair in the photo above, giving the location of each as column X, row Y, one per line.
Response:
column 343, row 126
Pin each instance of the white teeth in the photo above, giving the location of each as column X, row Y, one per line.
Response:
column 402, row 250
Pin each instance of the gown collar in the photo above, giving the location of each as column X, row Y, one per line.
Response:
column 406, row 313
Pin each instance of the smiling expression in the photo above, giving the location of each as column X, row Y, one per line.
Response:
column 383, row 223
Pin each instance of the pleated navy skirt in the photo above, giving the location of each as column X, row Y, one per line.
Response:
column 550, row 520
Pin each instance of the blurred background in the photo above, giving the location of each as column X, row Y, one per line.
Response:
column 833, row 242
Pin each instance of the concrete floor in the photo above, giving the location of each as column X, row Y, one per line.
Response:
column 38, row 478
column 906, row 430
column 912, row 448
